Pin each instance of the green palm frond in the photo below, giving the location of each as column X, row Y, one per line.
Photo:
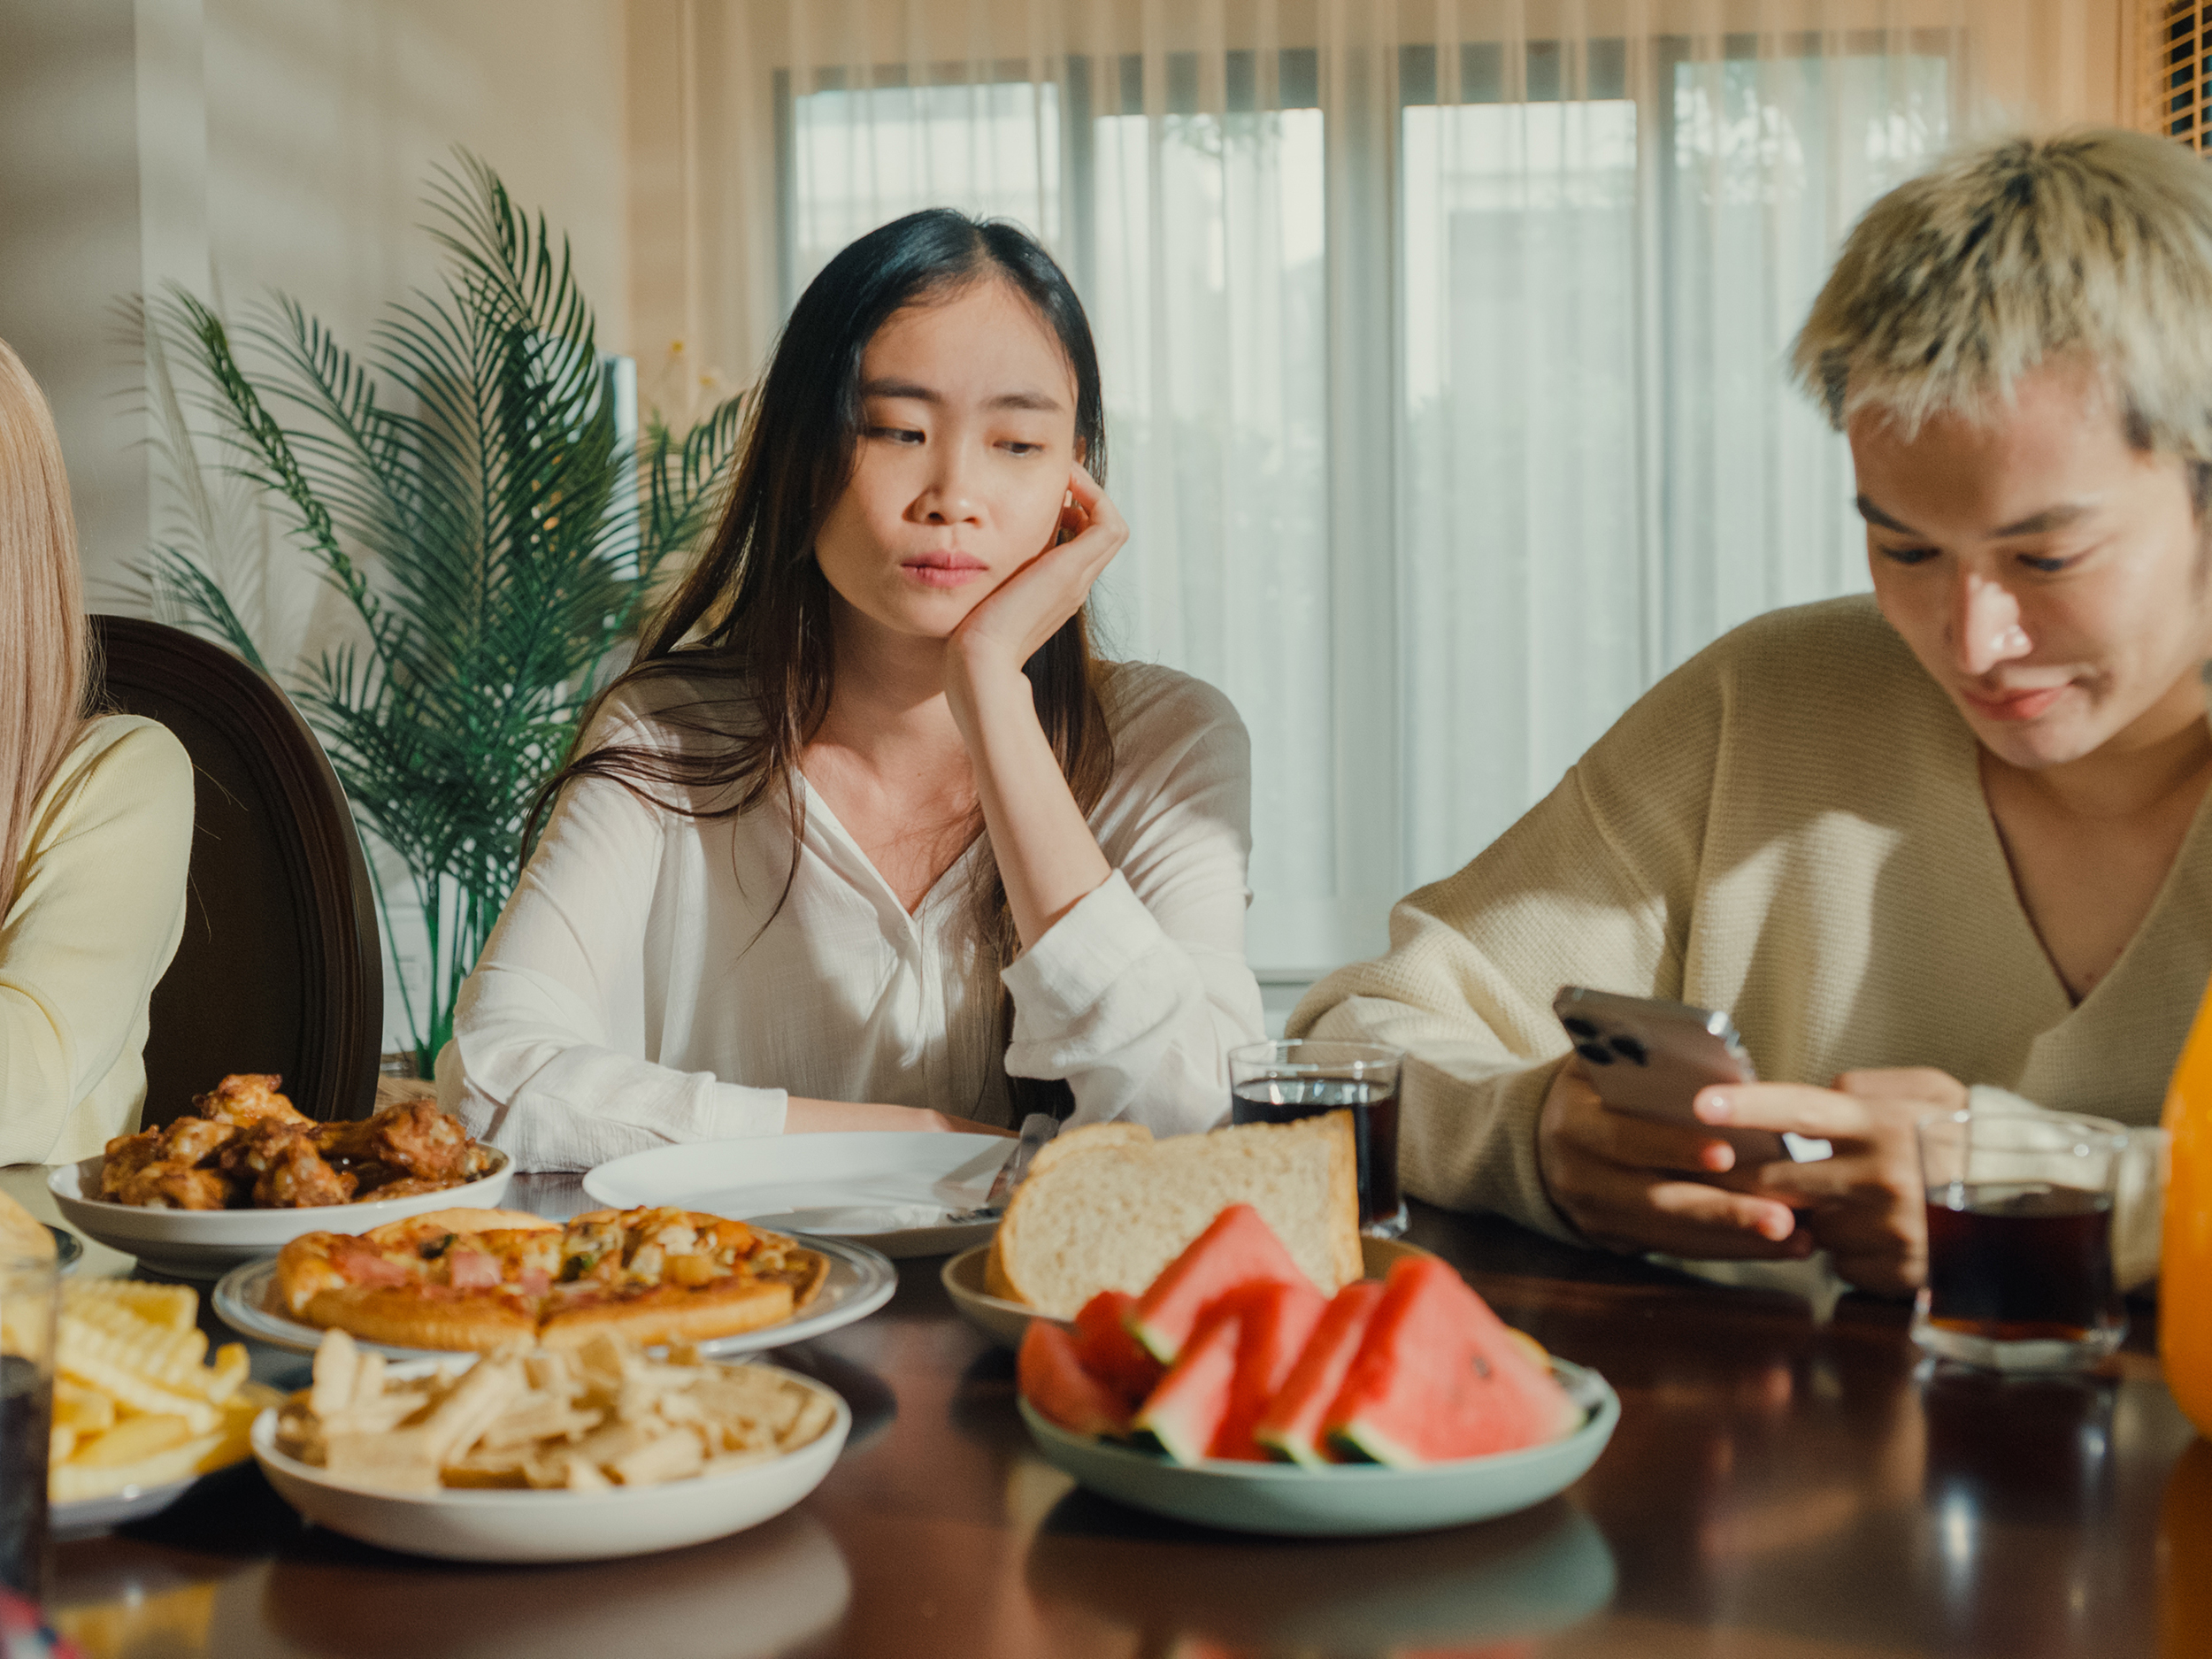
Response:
column 463, row 486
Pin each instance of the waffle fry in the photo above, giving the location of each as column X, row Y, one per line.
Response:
column 582, row 1420
column 171, row 1307
column 133, row 1404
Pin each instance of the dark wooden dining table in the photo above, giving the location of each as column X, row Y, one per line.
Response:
column 1782, row 1486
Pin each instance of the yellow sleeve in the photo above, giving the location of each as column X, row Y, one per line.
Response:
column 1594, row 886
column 97, row 912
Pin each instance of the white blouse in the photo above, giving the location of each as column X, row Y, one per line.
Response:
column 642, row 987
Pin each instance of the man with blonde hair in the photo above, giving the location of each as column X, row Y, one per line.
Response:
column 1950, row 835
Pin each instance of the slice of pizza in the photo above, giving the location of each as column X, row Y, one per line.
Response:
column 663, row 1275
column 453, row 1278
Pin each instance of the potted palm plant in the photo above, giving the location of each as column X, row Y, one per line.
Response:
column 468, row 486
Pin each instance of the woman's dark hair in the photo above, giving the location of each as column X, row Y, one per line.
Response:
column 756, row 608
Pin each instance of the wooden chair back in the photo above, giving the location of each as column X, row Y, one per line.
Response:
column 279, row 969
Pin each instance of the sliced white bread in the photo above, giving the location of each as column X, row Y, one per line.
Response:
column 1106, row 1207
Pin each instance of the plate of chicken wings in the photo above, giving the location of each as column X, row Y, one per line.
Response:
column 243, row 1171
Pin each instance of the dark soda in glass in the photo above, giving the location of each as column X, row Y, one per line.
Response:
column 2014, row 1262
column 24, row 1431
column 1374, row 1108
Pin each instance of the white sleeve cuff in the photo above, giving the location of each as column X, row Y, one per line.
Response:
column 1060, row 979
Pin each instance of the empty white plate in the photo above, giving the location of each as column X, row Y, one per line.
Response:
column 896, row 1191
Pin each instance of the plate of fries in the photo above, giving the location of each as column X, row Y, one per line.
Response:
column 139, row 1412
column 547, row 1454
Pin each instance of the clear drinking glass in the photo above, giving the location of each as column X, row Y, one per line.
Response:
column 27, row 1298
column 2020, row 1239
column 1280, row 1082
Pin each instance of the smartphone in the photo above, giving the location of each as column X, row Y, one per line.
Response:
column 1648, row 1058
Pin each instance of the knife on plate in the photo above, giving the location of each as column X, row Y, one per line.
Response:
column 1037, row 1128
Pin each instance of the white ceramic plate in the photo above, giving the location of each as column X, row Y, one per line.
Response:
column 1004, row 1322
column 206, row 1243
column 896, row 1191
column 522, row 1526
column 88, row 1516
column 859, row 1282
column 1340, row 1502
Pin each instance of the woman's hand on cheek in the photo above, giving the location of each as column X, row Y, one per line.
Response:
column 1865, row 1204
column 1008, row 628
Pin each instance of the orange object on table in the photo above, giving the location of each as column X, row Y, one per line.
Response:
column 2185, row 1289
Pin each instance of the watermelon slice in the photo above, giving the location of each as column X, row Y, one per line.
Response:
column 1108, row 1352
column 1239, row 1248
column 1291, row 1427
column 1049, row 1372
column 1184, row 1413
column 1439, row 1376
column 1278, row 1320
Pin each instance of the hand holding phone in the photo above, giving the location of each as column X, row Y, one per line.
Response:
column 1649, row 1057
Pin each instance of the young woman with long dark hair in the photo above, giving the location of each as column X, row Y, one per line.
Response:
column 867, row 838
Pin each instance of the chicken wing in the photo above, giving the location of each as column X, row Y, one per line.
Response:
column 194, row 1141
column 164, row 1186
column 297, row 1177
column 246, row 1098
column 126, row 1156
column 413, row 1137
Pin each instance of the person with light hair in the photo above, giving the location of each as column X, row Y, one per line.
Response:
column 1948, row 835
column 95, row 828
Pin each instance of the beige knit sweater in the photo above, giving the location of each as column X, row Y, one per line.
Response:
column 1791, row 826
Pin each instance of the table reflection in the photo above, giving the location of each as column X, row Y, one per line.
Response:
column 1504, row 1581
column 2184, row 1557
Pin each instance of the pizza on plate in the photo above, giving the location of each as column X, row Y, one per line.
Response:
column 481, row 1278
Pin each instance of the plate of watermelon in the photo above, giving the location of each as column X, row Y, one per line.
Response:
column 1233, row 1393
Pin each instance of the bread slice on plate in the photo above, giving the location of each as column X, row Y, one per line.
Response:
column 1106, row 1208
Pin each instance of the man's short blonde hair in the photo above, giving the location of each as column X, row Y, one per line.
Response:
column 1959, row 281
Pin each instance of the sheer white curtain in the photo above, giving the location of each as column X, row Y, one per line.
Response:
column 1442, row 342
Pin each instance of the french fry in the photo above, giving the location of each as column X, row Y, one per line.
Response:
column 671, row 1456
column 337, row 1362
column 132, row 1440
column 102, row 1300
column 157, row 1354
column 127, row 1388
column 225, row 1444
column 133, row 1405
column 78, row 1407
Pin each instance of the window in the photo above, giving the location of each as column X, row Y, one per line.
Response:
column 1445, row 385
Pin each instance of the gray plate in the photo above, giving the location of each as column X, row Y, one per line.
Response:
column 860, row 1281
column 1343, row 1501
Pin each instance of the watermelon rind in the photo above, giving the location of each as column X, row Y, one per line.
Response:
column 1290, row 1429
column 1278, row 1320
column 1364, row 1443
column 1184, row 1414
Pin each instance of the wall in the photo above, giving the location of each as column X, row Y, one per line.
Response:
column 237, row 146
